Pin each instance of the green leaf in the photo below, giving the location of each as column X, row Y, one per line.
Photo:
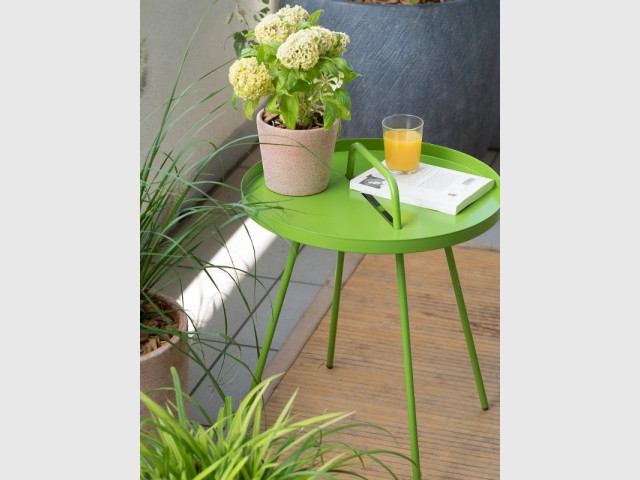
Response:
column 342, row 64
column 301, row 86
column 234, row 99
column 330, row 113
column 266, row 52
column 338, row 105
column 343, row 102
column 238, row 43
column 247, row 52
column 289, row 110
column 349, row 76
column 271, row 105
column 249, row 107
column 314, row 17
column 285, row 80
column 328, row 66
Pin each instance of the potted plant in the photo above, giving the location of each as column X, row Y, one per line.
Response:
column 241, row 445
column 177, row 211
column 298, row 66
column 438, row 60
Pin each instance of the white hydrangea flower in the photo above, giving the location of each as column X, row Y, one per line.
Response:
column 343, row 40
column 293, row 16
column 271, row 29
column 324, row 38
column 299, row 51
column 250, row 79
column 276, row 27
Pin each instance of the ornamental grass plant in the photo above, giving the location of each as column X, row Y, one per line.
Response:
column 297, row 64
column 179, row 211
column 241, row 444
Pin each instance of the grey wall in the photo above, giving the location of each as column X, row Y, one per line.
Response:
column 167, row 26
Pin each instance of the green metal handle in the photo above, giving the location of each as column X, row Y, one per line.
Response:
column 357, row 147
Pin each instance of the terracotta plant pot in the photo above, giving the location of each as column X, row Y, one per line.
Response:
column 292, row 169
column 155, row 366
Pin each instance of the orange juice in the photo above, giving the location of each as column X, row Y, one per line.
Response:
column 402, row 149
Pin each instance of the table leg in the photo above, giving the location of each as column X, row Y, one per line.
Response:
column 275, row 314
column 467, row 328
column 335, row 306
column 408, row 368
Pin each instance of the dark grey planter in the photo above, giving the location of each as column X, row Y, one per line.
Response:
column 438, row 61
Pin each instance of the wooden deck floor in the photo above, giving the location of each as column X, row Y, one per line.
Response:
column 458, row 440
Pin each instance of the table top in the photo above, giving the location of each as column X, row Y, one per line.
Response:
column 342, row 219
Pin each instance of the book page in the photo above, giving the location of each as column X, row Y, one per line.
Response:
column 428, row 177
column 439, row 180
column 434, row 187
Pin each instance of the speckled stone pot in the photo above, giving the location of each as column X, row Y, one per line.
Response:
column 291, row 169
column 155, row 366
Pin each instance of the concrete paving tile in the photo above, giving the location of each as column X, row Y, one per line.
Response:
column 314, row 265
column 235, row 382
column 297, row 299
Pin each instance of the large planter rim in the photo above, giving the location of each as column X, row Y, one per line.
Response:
column 449, row 78
column 396, row 6
column 182, row 326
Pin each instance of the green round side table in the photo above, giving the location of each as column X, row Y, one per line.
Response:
column 345, row 220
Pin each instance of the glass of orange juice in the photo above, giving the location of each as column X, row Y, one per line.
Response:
column 402, row 135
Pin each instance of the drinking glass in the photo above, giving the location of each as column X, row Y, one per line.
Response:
column 402, row 135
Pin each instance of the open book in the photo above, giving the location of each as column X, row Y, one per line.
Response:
column 433, row 187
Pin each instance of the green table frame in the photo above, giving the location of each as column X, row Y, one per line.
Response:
column 343, row 220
